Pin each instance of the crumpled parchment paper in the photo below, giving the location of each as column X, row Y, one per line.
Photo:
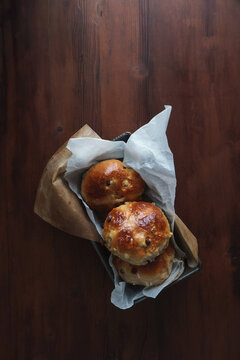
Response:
column 147, row 152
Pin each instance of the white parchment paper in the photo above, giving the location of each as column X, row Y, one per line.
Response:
column 147, row 152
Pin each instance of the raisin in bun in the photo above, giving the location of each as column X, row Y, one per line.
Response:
column 110, row 183
column 151, row 274
column 136, row 232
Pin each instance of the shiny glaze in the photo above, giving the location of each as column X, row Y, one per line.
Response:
column 110, row 183
column 154, row 272
column 136, row 230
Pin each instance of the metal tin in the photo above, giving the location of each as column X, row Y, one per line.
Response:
column 104, row 254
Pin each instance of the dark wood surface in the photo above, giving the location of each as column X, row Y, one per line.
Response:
column 113, row 64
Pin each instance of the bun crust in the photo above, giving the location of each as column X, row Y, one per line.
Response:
column 110, row 183
column 136, row 232
column 151, row 274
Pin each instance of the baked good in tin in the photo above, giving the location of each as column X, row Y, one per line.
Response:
column 136, row 232
column 152, row 274
column 110, row 183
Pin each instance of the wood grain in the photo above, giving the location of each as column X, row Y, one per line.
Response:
column 113, row 65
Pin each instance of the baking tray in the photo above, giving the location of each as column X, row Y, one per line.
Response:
column 104, row 254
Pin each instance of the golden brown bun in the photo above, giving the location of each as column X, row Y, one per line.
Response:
column 110, row 183
column 136, row 232
column 151, row 274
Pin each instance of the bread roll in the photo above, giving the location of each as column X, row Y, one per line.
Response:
column 136, row 232
column 151, row 274
column 110, row 183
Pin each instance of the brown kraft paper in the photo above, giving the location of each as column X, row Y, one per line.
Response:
column 59, row 206
column 56, row 203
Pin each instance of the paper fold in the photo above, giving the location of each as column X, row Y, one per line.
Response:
column 147, row 151
column 56, row 203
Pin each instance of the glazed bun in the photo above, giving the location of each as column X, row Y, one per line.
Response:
column 136, row 232
column 110, row 183
column 151, row 274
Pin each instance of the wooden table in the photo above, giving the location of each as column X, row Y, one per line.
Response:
column 113, row 64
